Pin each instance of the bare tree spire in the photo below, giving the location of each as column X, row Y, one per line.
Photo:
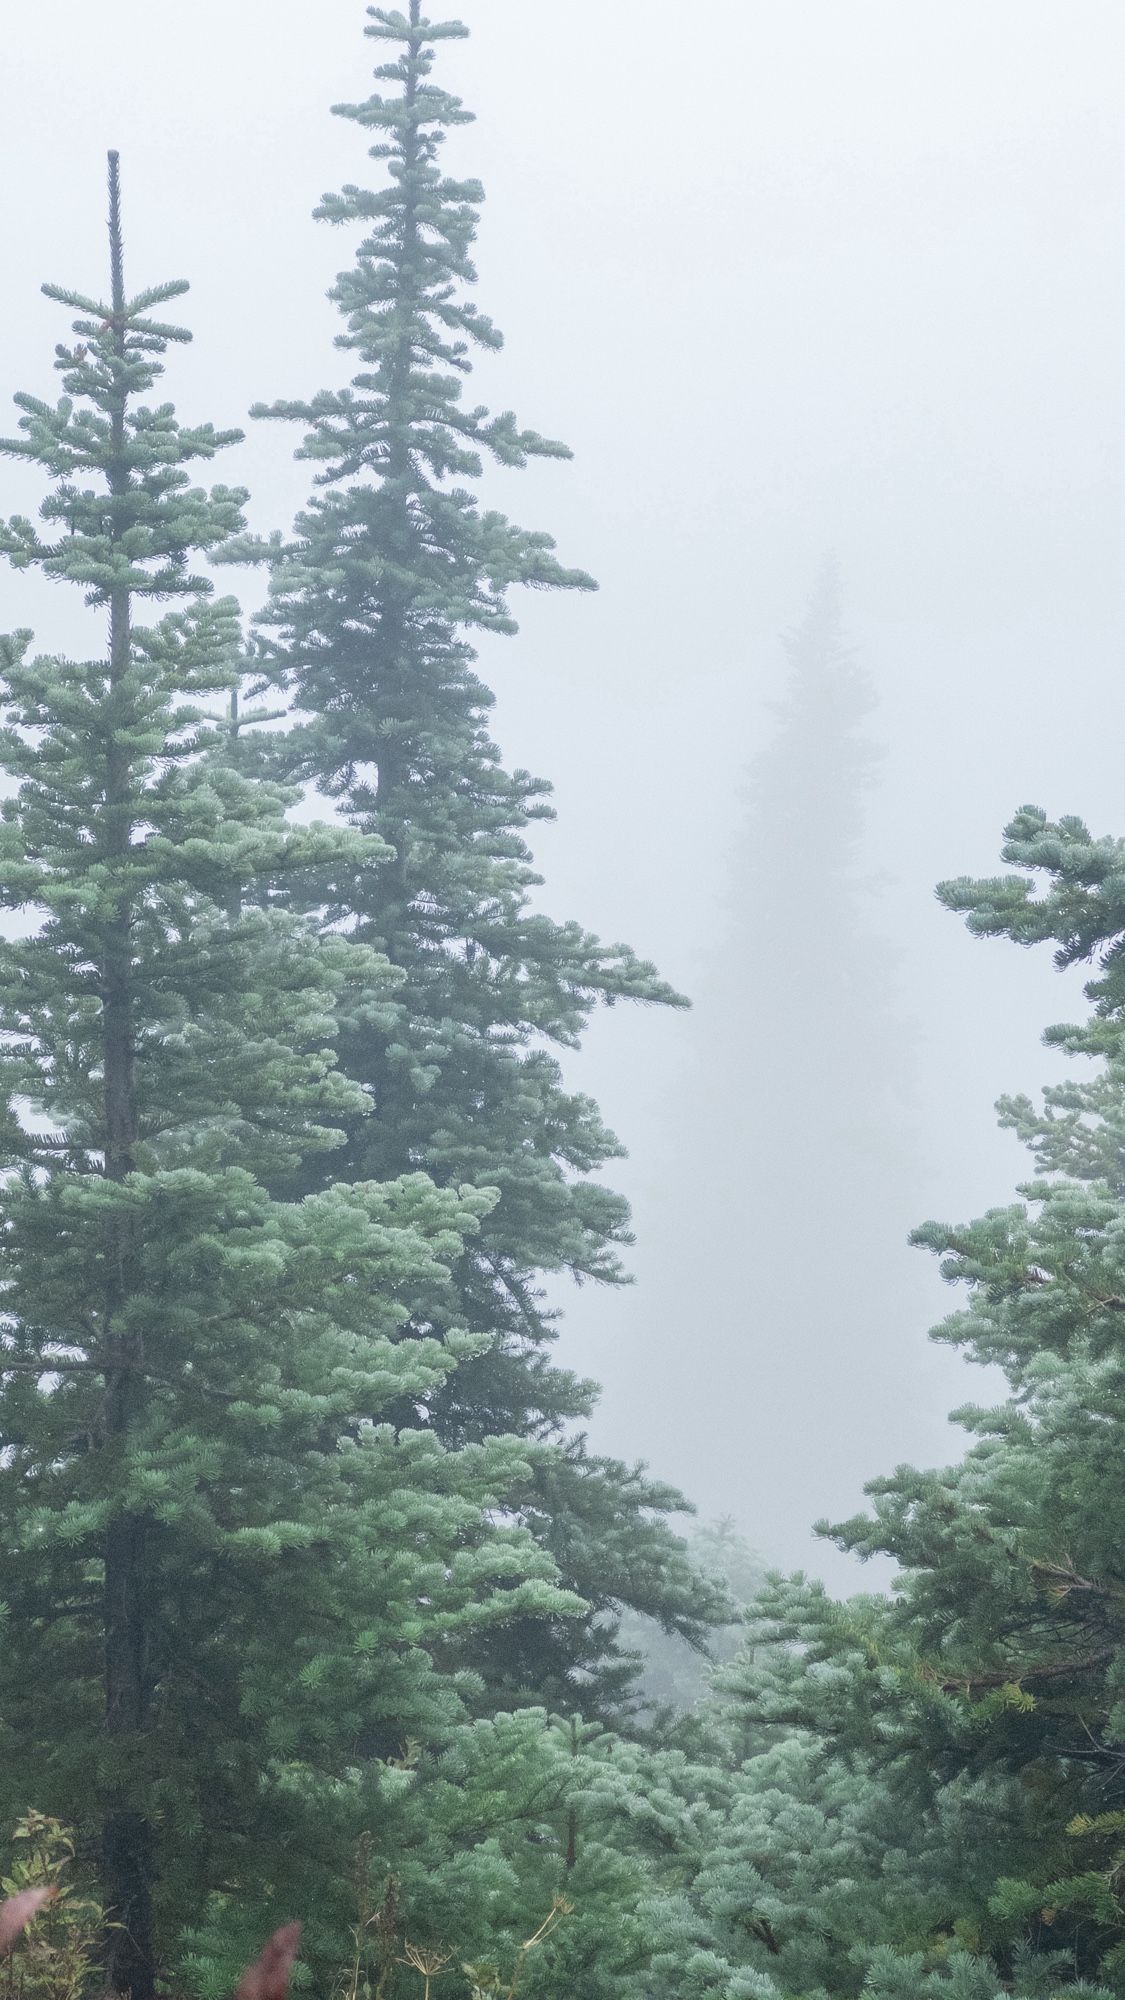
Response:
column 116, row 245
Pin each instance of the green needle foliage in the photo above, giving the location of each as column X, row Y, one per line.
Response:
column 235, row 1552
column 928, row 1791
column 394, row 567
column 309, row 1595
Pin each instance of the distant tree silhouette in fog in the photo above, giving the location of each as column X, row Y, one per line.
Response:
column 804, row 985
column 791, row 1156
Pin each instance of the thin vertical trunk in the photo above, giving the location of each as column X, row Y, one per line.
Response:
column 234, row 896
column 391, row 816
column 393, row 766
column 127, row 1835
column 571, row 1860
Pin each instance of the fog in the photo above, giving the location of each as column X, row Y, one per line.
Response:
column 793, row 280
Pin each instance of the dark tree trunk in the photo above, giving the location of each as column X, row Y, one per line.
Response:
column 126, row 1834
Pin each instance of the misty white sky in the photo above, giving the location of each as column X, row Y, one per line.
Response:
column 790, row 277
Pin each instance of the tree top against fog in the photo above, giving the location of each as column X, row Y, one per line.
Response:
column 392, row 570
column 413, row 331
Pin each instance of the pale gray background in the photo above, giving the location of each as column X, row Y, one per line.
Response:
column 790, row 277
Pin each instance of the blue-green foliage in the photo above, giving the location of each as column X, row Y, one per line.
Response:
column 928, row 1795
column 219, row 1471
column 392, row 569
column 307, row 1602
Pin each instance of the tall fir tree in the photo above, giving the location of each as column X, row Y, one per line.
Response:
column 1016, row 1581
column 794, row 1104
column 233, row 1574
column 944, row 1808
column 394, row 567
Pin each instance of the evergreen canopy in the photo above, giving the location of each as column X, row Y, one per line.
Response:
column 202, row 1448
column 309, row 1592
column 374, row 601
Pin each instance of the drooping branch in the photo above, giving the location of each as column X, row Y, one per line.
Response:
column 1054, row 1670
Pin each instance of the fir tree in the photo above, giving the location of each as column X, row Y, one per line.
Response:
column 925, row 1792
column 230, row 1568
column 393, row 569
column 1002, row 1655
column 794, row 1107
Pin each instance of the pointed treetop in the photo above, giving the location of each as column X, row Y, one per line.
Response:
column 390, row 24
column 116, row 244
column 122, row 316
column 101, row 427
